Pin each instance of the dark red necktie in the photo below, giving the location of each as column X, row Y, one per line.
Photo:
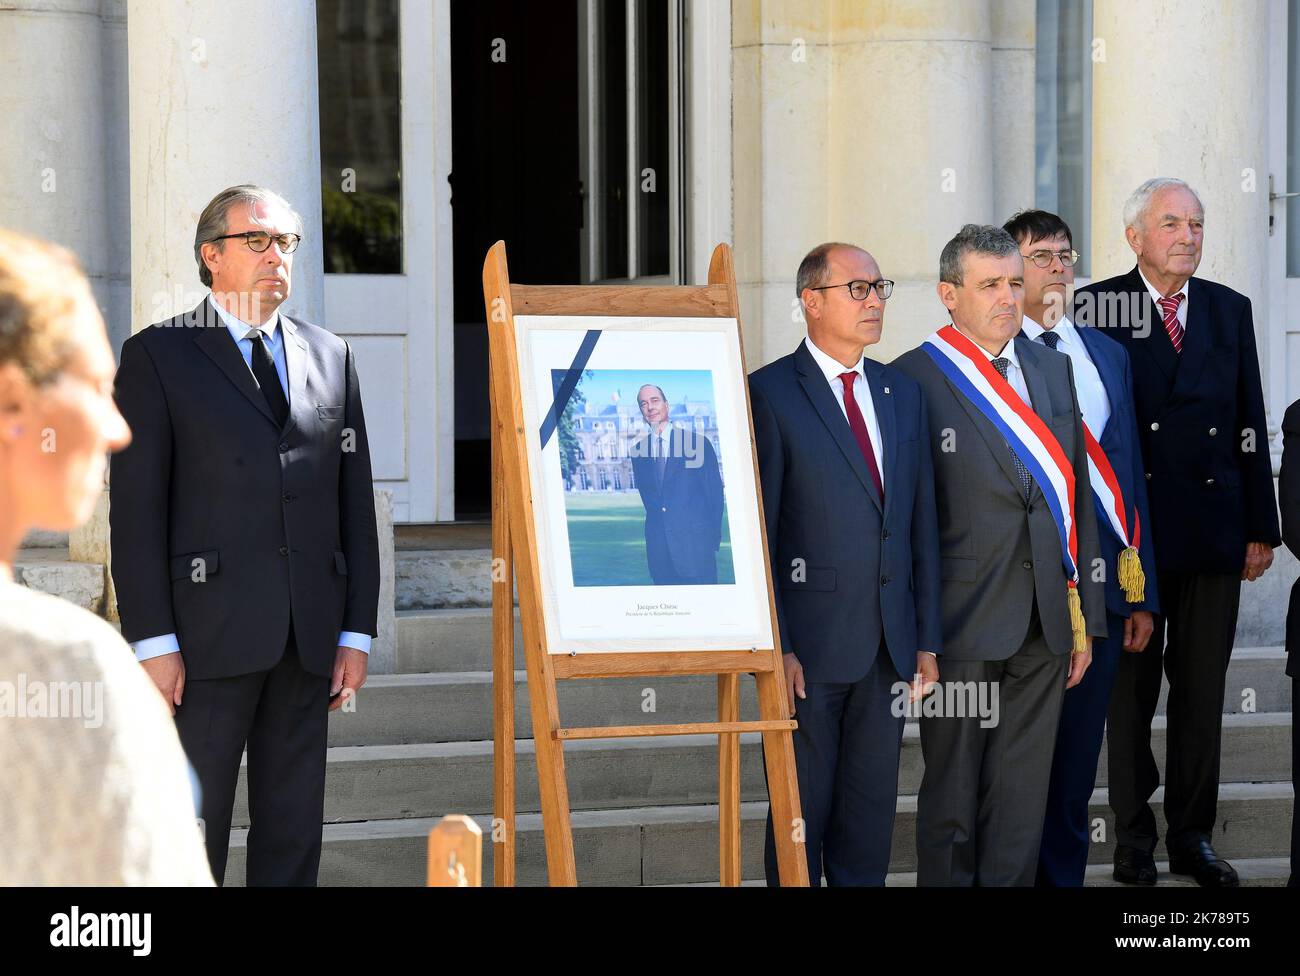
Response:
column 859, row 428
column 1169, row 310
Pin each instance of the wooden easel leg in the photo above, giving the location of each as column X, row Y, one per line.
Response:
column 503, row 676
column 552, row 782
column 729, row 781
column 782, row 783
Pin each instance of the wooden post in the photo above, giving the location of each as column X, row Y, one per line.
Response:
column 455, row 853
column 503, row 670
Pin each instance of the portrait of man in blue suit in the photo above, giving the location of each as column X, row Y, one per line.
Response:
column 680, row 483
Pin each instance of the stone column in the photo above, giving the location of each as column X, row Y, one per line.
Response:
column 220, row 94
column 870, row 122
column 1014, row 23
column 1192, row 108
column 781, row 77
column 53, row 147
column 923, row 72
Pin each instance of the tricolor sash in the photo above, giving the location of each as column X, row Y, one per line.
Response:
column 1111, row 505
column 969, row 370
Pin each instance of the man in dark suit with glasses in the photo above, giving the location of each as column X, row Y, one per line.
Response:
column 244, row 548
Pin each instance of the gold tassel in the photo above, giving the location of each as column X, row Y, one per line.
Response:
column 1131, row 577
column 1077, row 626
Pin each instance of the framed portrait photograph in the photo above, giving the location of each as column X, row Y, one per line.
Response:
column 642, row 475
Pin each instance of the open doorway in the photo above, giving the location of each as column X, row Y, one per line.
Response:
column 515, row 177
column 567, row 143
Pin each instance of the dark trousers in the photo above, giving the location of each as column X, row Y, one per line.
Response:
column 1193, row 642
column 281, row 715
column 1063, row 851
column 980, row 810
column 1294, row 880
column 846, row 757
column 664, row 572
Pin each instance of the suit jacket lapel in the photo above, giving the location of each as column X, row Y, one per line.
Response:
column 1145, row 311
column 1110, row 379
column 1040, row 400
column 814, row 384
column 214, row 339
column 295, row 361
column 884, row 404
column 676, row 456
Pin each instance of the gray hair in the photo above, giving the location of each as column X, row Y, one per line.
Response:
column 976, row 239
column 816, row 264
column 213, row 223
column 1135, row 207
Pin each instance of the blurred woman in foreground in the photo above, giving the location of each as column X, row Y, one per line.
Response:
column 95, row 789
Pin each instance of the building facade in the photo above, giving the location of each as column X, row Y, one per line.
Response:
column 620, row 141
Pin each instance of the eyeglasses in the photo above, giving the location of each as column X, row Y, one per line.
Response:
column 861, row 289
column 1044, row 258
column 259, row 241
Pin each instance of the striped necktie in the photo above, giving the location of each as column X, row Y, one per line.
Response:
column 1169, row 306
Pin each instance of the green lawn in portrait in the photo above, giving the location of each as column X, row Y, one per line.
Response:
column 607, row 539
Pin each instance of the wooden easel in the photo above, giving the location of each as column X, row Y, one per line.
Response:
column 513, row 534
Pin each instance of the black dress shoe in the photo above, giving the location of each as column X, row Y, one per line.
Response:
column 1200, row 861
column 1134, row 867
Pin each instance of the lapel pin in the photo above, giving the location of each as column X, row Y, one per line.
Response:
column 886, row 389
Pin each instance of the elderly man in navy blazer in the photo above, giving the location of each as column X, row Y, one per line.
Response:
column 848, row 498
column 1104, row 383
column 1200, row 411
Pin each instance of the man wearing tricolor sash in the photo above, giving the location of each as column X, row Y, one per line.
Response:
column 1017, row 539
column 1104, row 385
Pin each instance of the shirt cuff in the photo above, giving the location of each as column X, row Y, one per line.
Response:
column 360, row 642
column 156, row 647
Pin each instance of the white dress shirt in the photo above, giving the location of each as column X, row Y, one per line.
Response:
column 1093, row 401
column 832, row 368
column 1156, row 296
column 274, row 341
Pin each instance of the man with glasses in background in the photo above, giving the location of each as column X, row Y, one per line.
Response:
column 848, row 499
column 1104, row 383
column 244, row 548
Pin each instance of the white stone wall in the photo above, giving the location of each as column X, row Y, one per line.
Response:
column 885, row 124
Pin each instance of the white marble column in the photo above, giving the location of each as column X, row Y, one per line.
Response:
column 867, row 121
column 52, row 147
column 781, row 76
column 1178, row 89
column 1014, row 23
column 220, row 94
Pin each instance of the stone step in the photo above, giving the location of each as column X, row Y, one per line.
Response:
column 450, row 639
column 430, row 779
column 436, row 578
column 44, row 539
column 679, row 845
column 48, row 569
column 1255, row 872
column 460, row 576
column 460, row 639
column 457, row 706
